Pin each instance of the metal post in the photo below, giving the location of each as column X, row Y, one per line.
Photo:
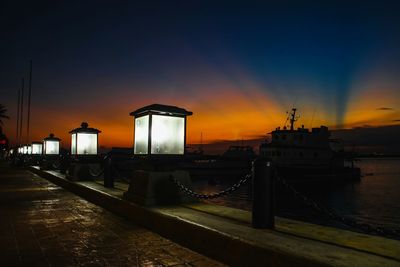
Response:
column 21, row 112
column 263, row 215
column 19, row 107
column 29, row 103
column 108, row 173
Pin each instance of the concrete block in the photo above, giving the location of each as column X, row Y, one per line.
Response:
column 151, row 188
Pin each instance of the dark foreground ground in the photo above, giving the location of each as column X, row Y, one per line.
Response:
column 41, row 224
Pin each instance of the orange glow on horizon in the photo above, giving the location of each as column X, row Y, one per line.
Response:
column 223, row 112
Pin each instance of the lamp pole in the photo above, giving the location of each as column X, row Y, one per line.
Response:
column 22, row 110
column 19, row 107
column 29, row 101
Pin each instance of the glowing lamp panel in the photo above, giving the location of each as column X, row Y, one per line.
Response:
column 29, row 150
column 52, row 148
column 37, row 149
column 141, row 135
column 167, row 135
column 86, row 144
column 73, row 144
column 25, row 150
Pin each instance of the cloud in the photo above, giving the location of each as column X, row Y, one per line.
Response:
column 396, row 120
column 384, row 108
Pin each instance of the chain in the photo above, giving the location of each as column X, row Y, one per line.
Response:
column 117, row 172
column 332, row 215
column 56, row 164
column 225, row 192
column 95, row 174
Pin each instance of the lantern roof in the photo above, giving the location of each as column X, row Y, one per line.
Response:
column 161, row 109
column 85, row 129
column 36, row 142
column 51, row 138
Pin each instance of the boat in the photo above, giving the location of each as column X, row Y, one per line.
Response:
column 233, row 164
column 308, row 155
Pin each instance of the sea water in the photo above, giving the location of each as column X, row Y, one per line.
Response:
column 375, row 199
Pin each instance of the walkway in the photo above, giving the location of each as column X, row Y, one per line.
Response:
column 41, row 224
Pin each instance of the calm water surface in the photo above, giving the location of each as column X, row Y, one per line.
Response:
column 374, row 200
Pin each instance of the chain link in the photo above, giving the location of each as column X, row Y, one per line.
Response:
column 95, row 174
column 118, row 173
column 225, row 192
column 332, row 215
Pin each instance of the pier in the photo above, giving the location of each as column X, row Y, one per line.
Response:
column 219, row 233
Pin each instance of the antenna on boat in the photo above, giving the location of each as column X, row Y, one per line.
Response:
column 293, row 118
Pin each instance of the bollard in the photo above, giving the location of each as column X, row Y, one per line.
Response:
column 64, row 163
column 108, row 173
column 263, row 214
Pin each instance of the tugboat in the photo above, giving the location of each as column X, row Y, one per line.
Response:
column 308, row 155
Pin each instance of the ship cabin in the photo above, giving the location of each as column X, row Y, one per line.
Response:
column 301, row 148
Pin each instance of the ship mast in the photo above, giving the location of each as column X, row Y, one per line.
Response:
column 293, row 118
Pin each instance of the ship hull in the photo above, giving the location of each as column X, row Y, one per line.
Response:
column 312, row 174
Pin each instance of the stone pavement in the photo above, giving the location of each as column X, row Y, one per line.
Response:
column 41, row 224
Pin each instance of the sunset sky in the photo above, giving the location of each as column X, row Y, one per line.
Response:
column 237, row 65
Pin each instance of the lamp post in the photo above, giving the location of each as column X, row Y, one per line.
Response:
column 37, row 148
column 36, row 153
column 51, row 153
column 84, row 152
column 84, row 140
column 25, row 149
column 159, row 144
column 51, row 145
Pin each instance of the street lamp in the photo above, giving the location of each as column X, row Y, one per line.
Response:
column 84, row 149
column 84, row 140
column 37, row 148
column 51, row 145
column 160, row 136
column 160, row 130
column 25, row 149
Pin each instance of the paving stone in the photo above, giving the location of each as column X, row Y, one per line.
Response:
column 44, row 225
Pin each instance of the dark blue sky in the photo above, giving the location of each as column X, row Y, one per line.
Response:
column 323, row 52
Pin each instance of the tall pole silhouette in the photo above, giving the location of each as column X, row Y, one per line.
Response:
column 22, row 111
column 29, row 102
column 19, row 107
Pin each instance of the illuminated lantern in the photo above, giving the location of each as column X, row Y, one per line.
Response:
column 84, row 140
column 25, row 149
column 51, row 145
column 37, row 148
column 160, row 129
